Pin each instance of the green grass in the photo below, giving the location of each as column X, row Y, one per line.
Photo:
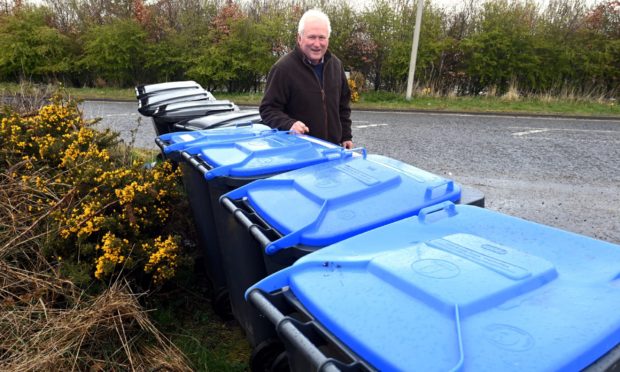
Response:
column 544, row 105
column 534, row 105
column 103, row 93
column 210, row 344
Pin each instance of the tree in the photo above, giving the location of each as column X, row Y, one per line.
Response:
column 31, row 49
column 501, row 52
column 239, row 50
column 379, row 21
column 115, row 52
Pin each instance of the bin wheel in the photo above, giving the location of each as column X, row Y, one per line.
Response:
column 265, row 355
column 221, row 305
column 281, row 363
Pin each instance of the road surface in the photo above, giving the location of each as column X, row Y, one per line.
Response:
column 560, row 172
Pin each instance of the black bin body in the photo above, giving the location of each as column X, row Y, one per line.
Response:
column 221, row 168
column 309, row 346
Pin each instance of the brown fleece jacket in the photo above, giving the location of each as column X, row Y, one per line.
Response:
column 293, row 92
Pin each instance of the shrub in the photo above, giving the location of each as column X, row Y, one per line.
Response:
column 109, row 215
column 355, row 95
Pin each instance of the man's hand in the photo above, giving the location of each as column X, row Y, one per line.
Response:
column 299, row 128
column 347, row 145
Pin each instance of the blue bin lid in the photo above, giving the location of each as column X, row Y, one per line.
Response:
column 263, row 155
column 325, row 203
column 464, row 288
column 178, row 141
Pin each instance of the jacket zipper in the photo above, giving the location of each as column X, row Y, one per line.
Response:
column 321, row 85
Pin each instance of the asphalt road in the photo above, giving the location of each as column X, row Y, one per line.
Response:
column 560, row 172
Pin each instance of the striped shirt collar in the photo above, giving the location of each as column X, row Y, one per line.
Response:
column 312, row 64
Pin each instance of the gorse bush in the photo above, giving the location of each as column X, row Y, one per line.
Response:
column 355, row 95
column 109, row 215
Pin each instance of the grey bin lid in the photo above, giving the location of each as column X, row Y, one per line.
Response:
column 220, row 119
column 151, row 89
column 194, row 108
column 149, row 105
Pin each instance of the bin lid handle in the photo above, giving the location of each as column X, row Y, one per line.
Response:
column 271, row 283
column 342, row 152
column 429, row 189
column 447, row 208
column 294, row 237
column 224, row 170
column 339, row 152
column 360, row 150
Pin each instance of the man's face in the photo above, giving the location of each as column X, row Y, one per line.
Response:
column 314, row 41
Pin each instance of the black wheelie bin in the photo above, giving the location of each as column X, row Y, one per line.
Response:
column 148, row 105
column 146, row 90
column 221, row 167
column 218, row 120
column 199, row 199
column 212, row 169
column 166, row 116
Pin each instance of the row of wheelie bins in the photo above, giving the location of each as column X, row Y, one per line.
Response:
column 182, row 106
column 339, row 260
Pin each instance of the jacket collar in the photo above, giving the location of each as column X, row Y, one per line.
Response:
column 305, row 60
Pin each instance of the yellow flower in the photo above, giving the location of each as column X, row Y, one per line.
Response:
column 111, row 248
column 162, row 259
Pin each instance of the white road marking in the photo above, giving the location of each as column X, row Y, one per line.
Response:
column 566, row 130
column 530, row 132
column 370, row 125
column 112, row 115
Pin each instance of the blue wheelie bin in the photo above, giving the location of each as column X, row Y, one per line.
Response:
column 172, row 143
column 274, row 221
column 199, row 199
column 453, row 288
column 211, row 169
column 468, row 195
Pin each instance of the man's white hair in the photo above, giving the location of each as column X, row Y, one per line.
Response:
column 314, row 14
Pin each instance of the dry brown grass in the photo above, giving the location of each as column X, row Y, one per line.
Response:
column 28, row 97
column 46, row 322
column 49, row 325
column 21, row 219
column 512, row 94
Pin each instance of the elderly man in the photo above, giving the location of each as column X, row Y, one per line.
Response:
column 307, row 90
